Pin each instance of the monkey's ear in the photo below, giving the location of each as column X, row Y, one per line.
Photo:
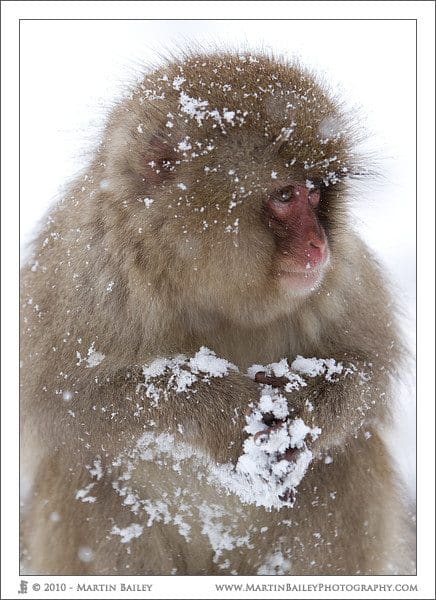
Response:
column 159, row 160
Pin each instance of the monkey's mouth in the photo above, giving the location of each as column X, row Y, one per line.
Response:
column 302, row 280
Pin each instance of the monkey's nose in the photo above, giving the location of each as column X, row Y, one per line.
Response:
column 316, row 252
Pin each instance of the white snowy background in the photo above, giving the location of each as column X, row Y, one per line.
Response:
column 73, row 71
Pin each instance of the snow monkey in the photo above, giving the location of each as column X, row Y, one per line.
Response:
column 207, row 345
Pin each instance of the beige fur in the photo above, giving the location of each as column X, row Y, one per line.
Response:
column 117, row 274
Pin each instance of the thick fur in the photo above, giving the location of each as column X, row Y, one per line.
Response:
column 135, row 266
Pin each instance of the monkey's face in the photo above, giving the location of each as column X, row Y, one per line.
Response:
column 302, row 248
column 242, row 183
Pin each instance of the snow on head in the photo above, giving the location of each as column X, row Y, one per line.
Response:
column 177, row 82
column 229, row 115
column 193, row 107
column 198, row 109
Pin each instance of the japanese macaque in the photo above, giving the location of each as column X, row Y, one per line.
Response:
column 199, row 295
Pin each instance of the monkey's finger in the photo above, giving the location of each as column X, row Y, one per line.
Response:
column 291, row 454
column 262, row 377
column 288, row 496
column 261, row 436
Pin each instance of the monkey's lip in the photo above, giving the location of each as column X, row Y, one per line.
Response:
column 302, row 279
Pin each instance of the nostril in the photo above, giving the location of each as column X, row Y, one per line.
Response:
column 319, row 244
column 316, row 251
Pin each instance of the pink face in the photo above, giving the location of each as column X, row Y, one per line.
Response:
column 302, row 246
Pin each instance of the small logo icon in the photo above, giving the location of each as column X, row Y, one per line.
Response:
column 23, row 587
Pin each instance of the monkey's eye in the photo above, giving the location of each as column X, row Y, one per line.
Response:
column 285, row 194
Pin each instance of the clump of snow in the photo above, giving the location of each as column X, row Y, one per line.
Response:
column 264, row 475
column 182, row 372
column 93, row 358
column 193, row 107
column 83, row 494
column 229, row 115
column 177, row 82
column 219, row 534
column 198, row 109
column 185, row 145
column 128, row 533
column 298, row 432
column 96, row 470
column 275, row 564
column 312, row 367
column 206, row 361
column 183, row 527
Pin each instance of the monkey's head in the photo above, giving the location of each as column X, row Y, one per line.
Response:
column 235, row 167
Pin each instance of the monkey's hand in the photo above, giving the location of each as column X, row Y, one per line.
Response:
column 203, row 409
column 323, row 393
column 201, row 400
column 277, row 451
column 254, row 442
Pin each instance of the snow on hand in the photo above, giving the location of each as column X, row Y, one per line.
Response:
column 263, row 475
